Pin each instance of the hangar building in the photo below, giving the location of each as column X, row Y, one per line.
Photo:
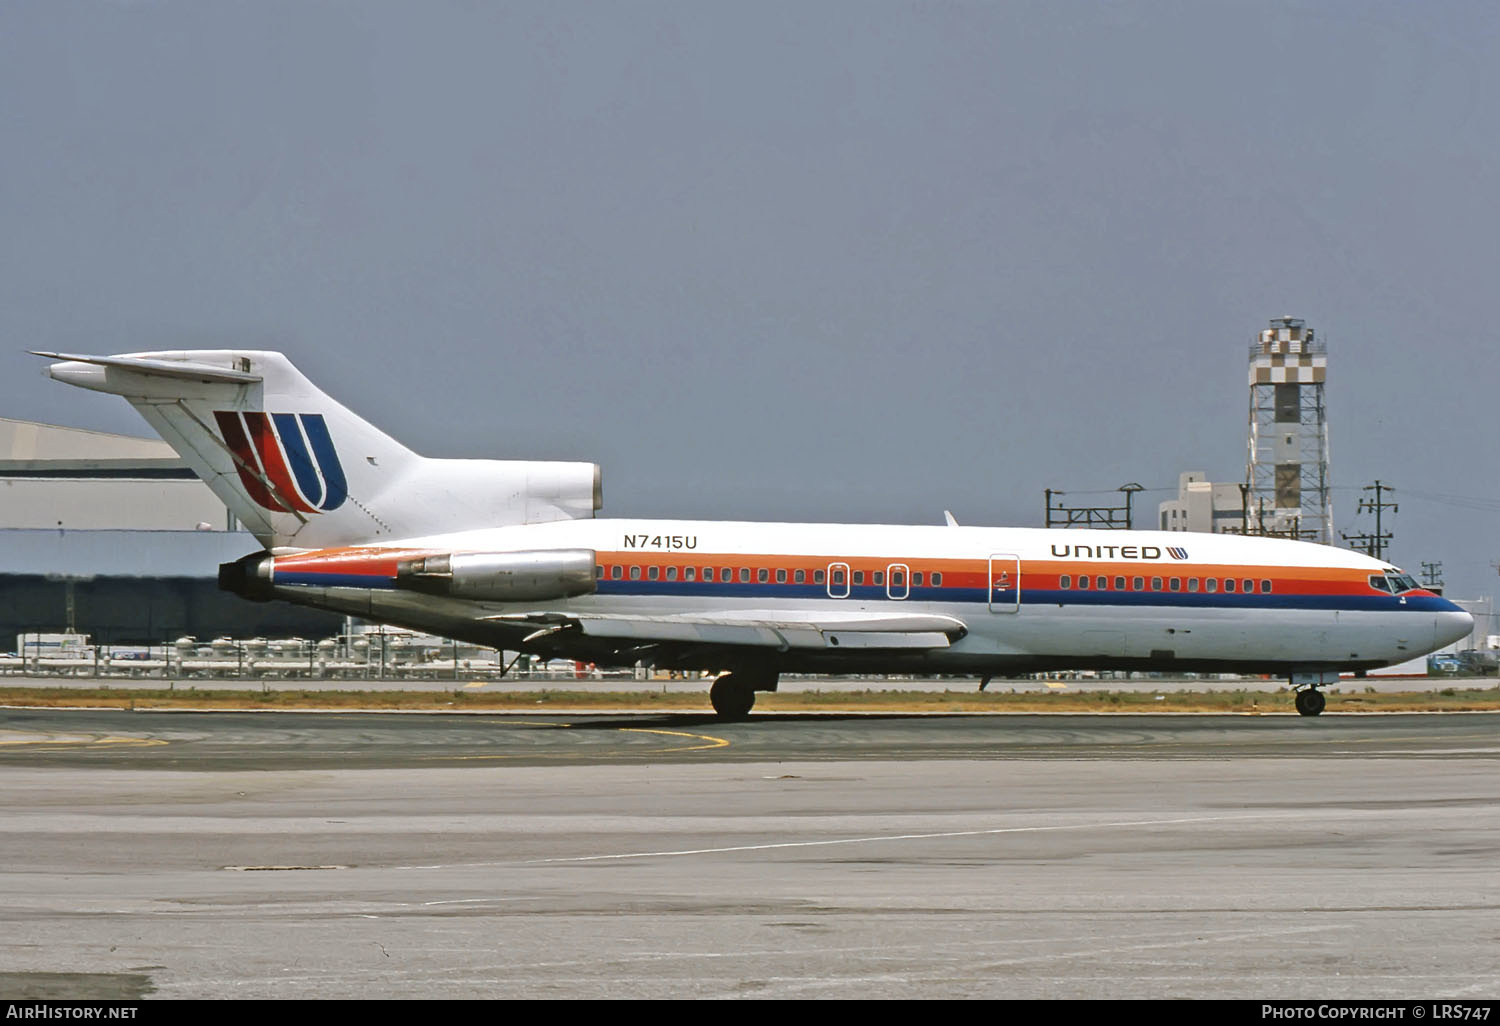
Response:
column 113, row 536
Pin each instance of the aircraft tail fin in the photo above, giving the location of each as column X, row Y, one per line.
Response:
column 301, row 471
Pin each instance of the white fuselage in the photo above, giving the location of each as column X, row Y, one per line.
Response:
column 1029, row 598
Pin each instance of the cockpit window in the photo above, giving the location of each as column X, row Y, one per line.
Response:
column 1394, row 583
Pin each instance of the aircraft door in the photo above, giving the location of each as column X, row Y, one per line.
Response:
column 1005, row 583
column 838, row 580
column 897, row 581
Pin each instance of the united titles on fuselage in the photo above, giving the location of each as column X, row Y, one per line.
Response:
column 1111, row 552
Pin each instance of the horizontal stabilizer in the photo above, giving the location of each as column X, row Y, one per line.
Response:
column 182, row 370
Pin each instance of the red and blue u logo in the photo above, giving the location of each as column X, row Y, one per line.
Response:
column 286, row 461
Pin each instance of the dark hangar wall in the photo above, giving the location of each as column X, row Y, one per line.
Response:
column 148, row 611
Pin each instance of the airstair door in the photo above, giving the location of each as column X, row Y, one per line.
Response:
column 1005, row 583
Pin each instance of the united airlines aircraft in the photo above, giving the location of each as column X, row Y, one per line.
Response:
column 510, row 554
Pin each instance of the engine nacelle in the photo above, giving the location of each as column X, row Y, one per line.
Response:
column 248, row 577
column 502, row 576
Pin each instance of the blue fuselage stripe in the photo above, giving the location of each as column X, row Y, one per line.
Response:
column 965, row 596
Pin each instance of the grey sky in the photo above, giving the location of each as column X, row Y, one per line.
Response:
column 825, row 261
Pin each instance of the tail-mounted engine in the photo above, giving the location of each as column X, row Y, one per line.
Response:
column 501, row 576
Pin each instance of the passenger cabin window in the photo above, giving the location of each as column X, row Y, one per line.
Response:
column 1065, row 582
column 1083, row 582
column 898, row 579
column 1247, row 586
column 780, row 576
column 838, row 576
column 689, row 573
column 1229, row 584
column 1265, row 587
column 1175, row 583
column 635, row 573
column 1119, row 584
column 859, row 577
column 762, row 575
column 879, row 577
column 937, row 579
column 1192, row 584
column 744, row 575
column 801, row 577
column 916, row 579
column 708, row 573
column 1156, row 584
column 616, row 572
column 599, row 572
column 1211, row 585
column 653, row 572
column 1102, row 583
column 1139, row 584
column 818, row 577
column 671, row 573
column 727, row 575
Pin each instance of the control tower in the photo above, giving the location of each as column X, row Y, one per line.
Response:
column 1286, row 471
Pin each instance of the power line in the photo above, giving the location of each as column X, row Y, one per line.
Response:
column 1461, row 501
column 1374, row 544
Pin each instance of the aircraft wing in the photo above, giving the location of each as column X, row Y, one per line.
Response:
column 778, row 629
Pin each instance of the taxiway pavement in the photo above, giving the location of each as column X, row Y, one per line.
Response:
column 360, row 855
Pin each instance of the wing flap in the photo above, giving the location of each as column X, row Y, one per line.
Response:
column 779, row 629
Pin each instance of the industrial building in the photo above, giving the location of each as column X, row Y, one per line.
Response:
column 113, row 536
column 1203, row 505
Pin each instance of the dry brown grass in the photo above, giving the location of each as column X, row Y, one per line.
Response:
column 1455, row 699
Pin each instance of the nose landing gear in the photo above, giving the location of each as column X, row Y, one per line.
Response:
column 1310, row 701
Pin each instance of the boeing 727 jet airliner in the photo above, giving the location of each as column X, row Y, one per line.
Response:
column 510, row 554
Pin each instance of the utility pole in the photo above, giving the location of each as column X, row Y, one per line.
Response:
column 1130, row 490
column 1109, row 518
column 1432, row 574
column 1290, row 525
column 1374, row 544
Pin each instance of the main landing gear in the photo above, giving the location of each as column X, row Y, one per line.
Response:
column 1310, row 701
column 733, row 694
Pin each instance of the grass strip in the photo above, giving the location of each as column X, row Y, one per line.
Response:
column 1456, row 699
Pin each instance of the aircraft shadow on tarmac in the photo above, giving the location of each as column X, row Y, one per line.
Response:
column 708, row 720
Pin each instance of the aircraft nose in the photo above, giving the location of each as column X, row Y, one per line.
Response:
column 1453, row 625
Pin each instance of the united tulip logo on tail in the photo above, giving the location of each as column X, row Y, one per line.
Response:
column 291, row 451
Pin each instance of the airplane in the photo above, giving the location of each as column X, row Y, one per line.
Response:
column 510, row 554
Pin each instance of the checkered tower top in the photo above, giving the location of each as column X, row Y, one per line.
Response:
column 1288, row 353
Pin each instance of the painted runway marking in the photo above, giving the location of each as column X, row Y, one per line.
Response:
column 77, row 741
column 714, row 742
column 910, row 837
